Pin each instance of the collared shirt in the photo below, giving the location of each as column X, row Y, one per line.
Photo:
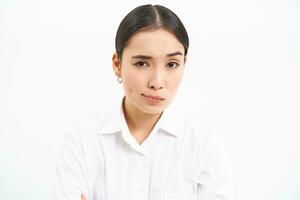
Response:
column 180, row 160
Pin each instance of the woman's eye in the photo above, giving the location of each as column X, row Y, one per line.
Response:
column 140, row 64
column 173, row 64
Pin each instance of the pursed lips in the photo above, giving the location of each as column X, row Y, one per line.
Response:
column 154, row 97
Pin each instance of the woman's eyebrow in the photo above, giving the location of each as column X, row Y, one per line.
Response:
column 145, row 57
column 142, row 57
column 174, row 54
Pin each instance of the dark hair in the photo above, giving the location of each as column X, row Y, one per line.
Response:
column 148, row 17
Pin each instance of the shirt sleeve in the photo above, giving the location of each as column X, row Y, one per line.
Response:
column 71, row 172
column 215, row 180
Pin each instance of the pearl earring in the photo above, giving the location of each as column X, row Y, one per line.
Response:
column 119, row 79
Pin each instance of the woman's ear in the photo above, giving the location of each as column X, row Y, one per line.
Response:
column 116, row 63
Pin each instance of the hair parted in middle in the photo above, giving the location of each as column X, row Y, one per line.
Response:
column 148, row 17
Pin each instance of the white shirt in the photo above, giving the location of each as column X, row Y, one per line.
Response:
column 179, row 160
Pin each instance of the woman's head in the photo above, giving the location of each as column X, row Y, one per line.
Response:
column 147, row 17
column 151, row 49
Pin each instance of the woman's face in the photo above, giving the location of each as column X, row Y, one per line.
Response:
column 152, row 64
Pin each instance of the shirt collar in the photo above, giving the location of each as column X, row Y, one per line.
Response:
column 171, row 121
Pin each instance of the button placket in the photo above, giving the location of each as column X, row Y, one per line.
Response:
column 144, row 177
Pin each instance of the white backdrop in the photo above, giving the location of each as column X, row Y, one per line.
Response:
column 242, row 76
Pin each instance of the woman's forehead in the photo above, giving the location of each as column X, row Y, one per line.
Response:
column 153, row 43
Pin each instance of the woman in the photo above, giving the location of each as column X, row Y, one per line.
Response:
column 145, row 149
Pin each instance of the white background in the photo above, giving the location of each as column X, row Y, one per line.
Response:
column 242, row 76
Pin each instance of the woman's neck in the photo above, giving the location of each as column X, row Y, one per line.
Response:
column 139, row 123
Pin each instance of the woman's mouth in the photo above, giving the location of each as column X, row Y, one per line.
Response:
column 153, row 99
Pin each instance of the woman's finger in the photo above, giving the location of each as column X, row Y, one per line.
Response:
column 83, row 197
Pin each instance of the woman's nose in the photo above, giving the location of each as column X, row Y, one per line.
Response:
column 157, row 80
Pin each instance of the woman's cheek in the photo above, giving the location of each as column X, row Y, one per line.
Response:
column 133, row 82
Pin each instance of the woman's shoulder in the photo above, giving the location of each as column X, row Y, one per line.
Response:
column 196, row 123
column 199, row 128
column 86, row 126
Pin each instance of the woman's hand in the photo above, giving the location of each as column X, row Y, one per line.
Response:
column 83, row 197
